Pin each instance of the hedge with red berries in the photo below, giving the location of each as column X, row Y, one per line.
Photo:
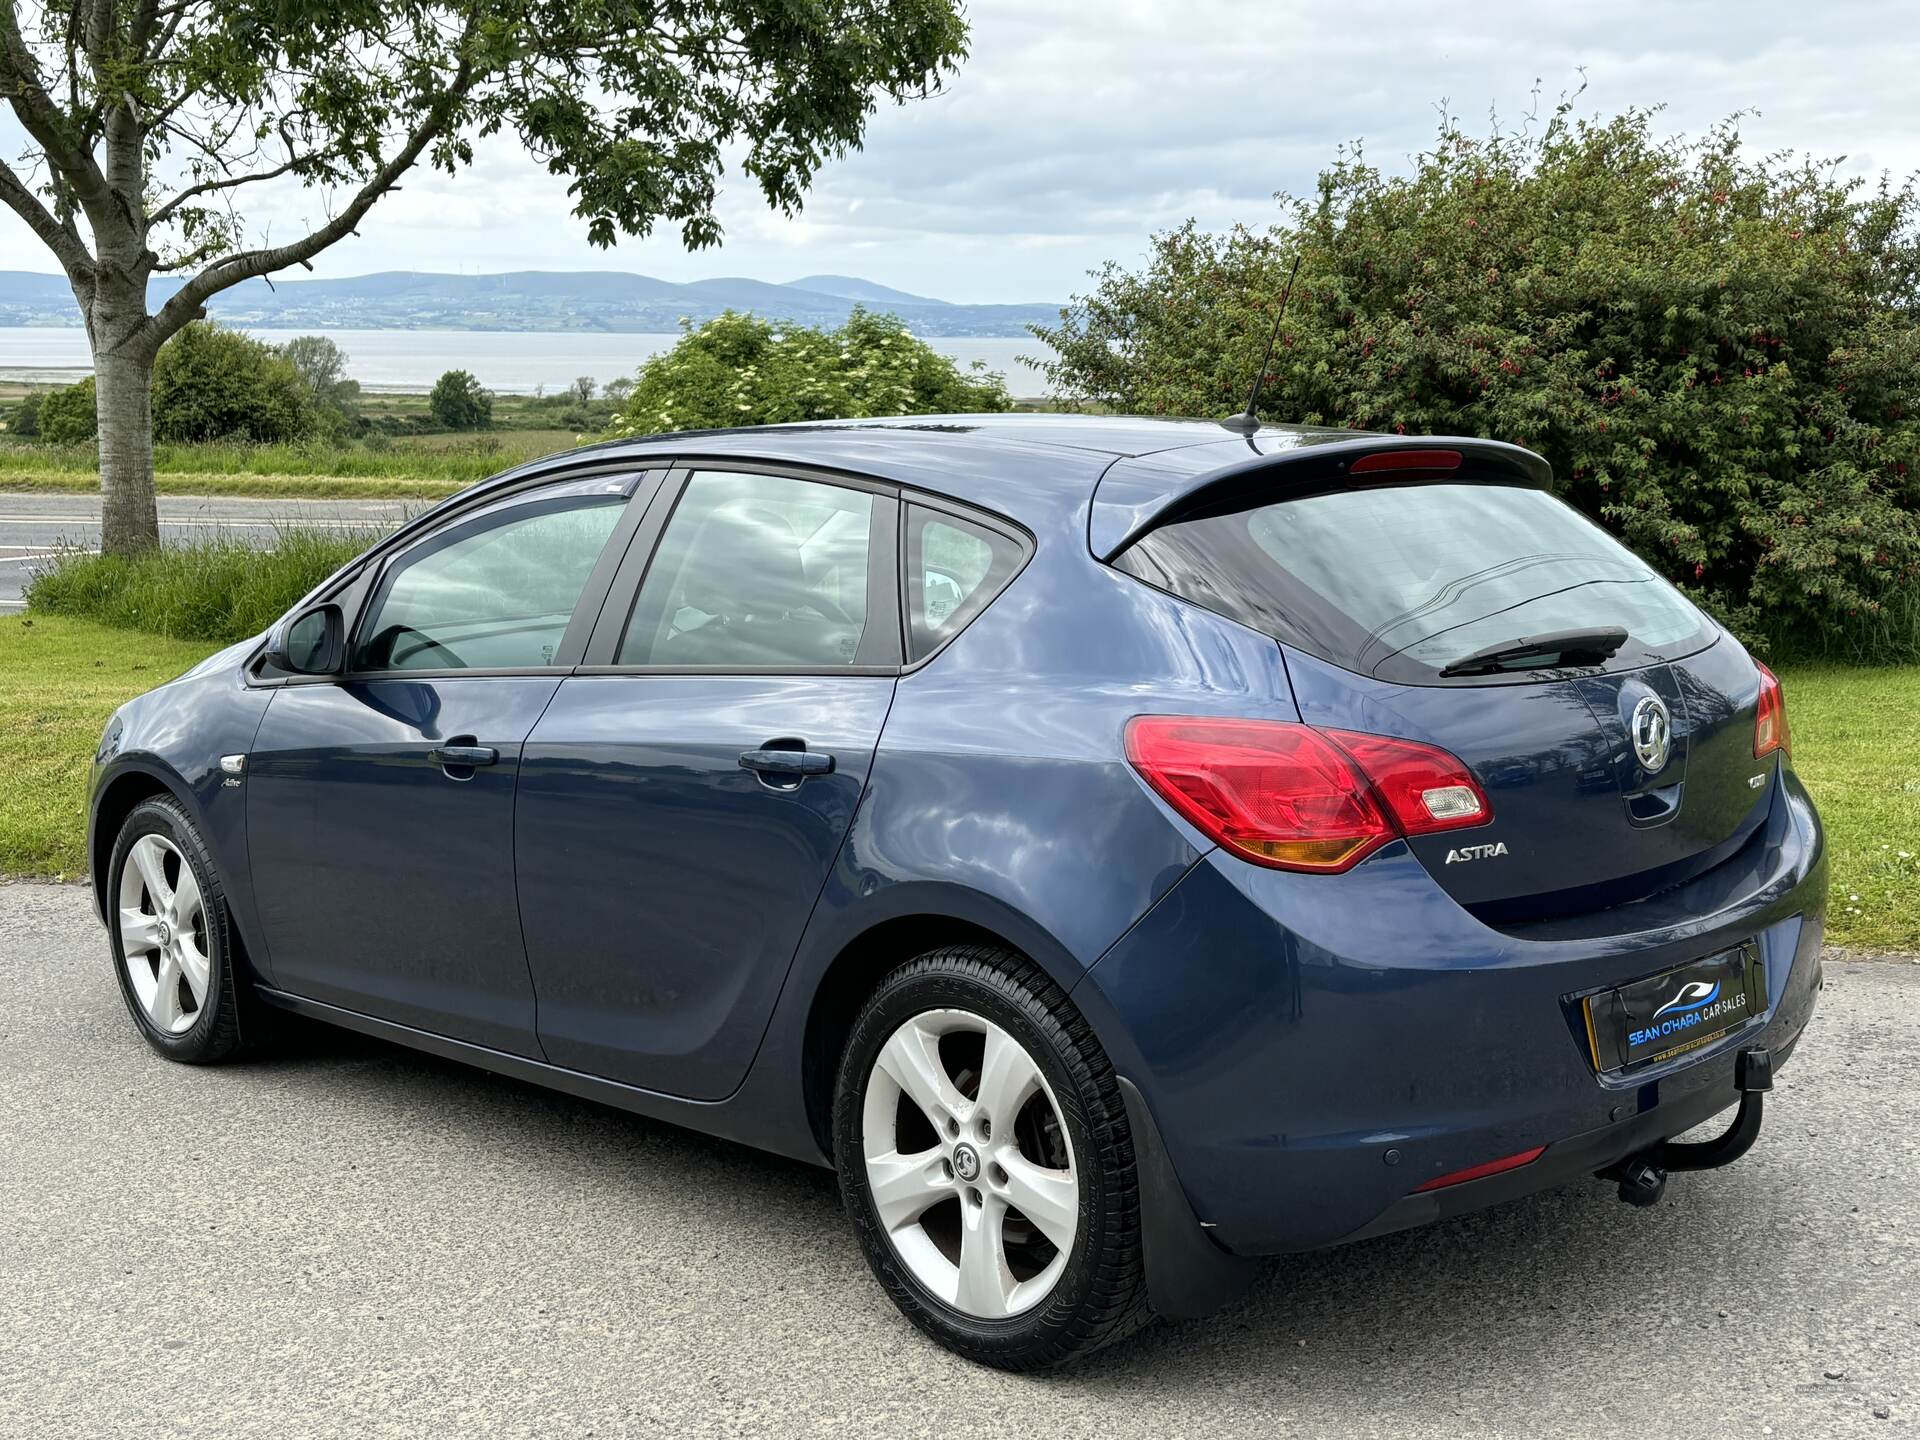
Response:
column 1718, row 352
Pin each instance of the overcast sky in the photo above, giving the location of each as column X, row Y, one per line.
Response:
column 1078, row 127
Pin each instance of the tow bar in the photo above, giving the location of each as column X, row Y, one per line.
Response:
column 1643, row 1177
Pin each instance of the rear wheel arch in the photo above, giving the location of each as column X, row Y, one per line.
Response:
column 854, row 973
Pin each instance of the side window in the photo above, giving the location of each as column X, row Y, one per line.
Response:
column 755, row 570
column 492, row 593
column 954, row 569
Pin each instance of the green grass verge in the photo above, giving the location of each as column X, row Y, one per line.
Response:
column 217, row 590
column 1855, row 731
column 240, row 485
column 1856, row 743
column 59, row 681
column 424, row 467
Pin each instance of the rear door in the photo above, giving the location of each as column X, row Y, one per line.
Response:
column 683, row 797
column 380, row 802
column 1375, row 590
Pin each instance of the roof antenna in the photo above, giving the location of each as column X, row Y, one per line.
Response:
column 1246, row 422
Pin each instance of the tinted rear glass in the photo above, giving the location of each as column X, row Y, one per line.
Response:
column 1397, row 581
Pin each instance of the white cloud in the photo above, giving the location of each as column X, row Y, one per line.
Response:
column 1075, row 129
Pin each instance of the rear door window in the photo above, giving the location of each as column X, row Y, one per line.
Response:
column 757, row 572
column 954, row 568
column 1398, row 581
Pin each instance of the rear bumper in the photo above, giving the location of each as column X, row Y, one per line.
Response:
column 1310, row 1049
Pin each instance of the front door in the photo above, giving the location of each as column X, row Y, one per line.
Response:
column 380, row 803
column 679, row 811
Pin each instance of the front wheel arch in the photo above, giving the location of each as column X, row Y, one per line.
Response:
column 118, row 798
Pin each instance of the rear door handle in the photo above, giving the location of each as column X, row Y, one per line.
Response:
column 787, row 762
column 464, row 754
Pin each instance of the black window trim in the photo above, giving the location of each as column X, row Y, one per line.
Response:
column 614, row 586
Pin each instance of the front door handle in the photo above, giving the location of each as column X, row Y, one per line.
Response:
column 448, row 756
column 787, row 762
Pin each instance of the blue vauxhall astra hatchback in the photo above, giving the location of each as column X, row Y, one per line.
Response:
column 1119, row 848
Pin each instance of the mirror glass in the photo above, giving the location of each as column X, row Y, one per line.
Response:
column 310, row 642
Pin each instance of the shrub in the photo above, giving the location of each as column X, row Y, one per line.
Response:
column 212, row 384
column 68, row 415
column 25, row 420
column 322, row 368
column 743, row 370
column 219, row 589
column 1718, row 353
column 459, row 402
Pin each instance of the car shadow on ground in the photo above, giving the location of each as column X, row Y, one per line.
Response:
column 1485, row 1299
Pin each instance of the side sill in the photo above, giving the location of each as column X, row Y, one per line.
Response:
column 705, row 1116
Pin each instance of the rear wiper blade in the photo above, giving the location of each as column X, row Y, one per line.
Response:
column 1562, row 647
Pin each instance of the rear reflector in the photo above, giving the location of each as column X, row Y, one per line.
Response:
column 1297, row 798
column 1405, row 460
column 1480, row 1172
column 1770, row 731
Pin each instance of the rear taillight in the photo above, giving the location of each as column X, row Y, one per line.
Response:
column 1297, row 798
column 1770, row 717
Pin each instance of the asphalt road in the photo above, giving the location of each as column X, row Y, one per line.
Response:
column 35, row 526
column 355, row 1239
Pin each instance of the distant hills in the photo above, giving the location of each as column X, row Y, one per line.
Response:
column 604, row 300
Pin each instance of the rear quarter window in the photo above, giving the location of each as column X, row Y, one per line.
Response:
column 954, row 569
column 1396, row 581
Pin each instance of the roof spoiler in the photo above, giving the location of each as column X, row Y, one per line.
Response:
column 1144, row 492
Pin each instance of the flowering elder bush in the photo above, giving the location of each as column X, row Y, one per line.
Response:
column 1717, row 352
column 743, row 370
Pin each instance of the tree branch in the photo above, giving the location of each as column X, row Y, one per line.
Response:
column 189, row 301
column 208, row 187
column 63, row 240
column 21, row 85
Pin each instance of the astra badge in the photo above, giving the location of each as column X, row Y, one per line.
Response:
column 1476, row 852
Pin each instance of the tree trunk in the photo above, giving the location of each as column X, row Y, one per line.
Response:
column 130, row 520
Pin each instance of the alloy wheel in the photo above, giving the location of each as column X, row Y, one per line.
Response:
column 969, row 1165
column 163, row 934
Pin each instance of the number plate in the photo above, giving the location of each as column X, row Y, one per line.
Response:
column 1678, row 1010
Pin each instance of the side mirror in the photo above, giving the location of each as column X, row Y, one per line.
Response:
column 313, row 642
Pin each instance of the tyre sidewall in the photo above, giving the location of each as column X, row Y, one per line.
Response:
column 213, row 1030
column 927, row 984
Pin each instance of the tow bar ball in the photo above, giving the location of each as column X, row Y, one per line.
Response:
column 1643, row 1177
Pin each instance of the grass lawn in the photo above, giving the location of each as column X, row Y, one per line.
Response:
column 1856, row 741
column 59, row 681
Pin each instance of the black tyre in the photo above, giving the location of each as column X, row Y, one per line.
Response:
column 172, row 947
column 985, row 1160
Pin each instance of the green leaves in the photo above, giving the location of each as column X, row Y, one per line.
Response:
column 1718, row 354
column 743, row 370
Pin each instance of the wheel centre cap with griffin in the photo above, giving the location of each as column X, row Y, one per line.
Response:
column 966, row 1162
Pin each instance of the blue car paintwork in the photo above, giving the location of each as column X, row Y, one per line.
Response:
column 378, row 877
column 1285, row 1030
column 664, row 888
column 1286, row 1057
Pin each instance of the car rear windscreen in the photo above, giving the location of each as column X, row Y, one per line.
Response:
column 1398, row 581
